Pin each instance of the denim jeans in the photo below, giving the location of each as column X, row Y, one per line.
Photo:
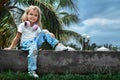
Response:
column 33, row 45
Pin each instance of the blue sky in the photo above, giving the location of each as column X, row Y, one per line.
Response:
column 100, row 19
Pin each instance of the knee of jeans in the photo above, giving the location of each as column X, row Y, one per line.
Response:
column 45, row 31
column 35, row 52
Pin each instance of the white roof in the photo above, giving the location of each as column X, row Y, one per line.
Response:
column 102, row 49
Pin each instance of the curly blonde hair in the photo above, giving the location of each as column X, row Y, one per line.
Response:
column 25, row 18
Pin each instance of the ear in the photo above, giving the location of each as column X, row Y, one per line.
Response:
column 27, row 24
column 35, row 27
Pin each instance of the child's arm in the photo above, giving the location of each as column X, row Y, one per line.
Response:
column 15, row 41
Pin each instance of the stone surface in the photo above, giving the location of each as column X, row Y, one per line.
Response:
column 15, row 60
column 78, row 62
column 82, row 62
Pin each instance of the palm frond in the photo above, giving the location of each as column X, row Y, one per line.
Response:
column 50, row 19
column 68, row 4
column 67, row 34
column 70, row 18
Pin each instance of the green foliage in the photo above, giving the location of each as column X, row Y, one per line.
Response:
column 24, row 76
column 52, row 17
column 7, row 28
column 15, row 76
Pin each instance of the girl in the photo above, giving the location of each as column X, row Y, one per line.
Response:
column 32, row 37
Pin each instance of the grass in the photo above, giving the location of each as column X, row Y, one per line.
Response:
column 24, row 76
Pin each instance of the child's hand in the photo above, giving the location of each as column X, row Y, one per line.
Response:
column 7, row 48
column 46, row 31
column 52, row 34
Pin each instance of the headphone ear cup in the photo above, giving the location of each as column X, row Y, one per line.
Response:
column 27, row 24
column 35, row 27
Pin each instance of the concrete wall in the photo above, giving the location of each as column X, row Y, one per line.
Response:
column 82, row 62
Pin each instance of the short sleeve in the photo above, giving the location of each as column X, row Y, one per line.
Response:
column 20, row 28
column 38, row 30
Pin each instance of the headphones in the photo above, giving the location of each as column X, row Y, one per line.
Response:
column 35, row 26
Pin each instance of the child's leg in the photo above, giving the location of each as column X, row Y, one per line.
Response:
column 43, row 36
column 32, row 56
column 32, row 61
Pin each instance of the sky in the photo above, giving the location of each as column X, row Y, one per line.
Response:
column 99, row 19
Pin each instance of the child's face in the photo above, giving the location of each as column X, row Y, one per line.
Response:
column 33, row 16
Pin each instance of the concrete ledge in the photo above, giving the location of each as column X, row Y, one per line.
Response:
column 82, row 62
column 15, row 60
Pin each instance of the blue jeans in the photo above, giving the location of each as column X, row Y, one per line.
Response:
column 33, row 45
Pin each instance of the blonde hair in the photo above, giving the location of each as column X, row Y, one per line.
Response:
column 25, row 18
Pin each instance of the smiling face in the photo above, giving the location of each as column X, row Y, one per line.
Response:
column 32, row 16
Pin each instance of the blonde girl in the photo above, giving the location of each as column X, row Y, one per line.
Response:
column 31, row 37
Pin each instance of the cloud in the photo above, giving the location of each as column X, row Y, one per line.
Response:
column 101, row 27
column 101, row 22
column 101, row 30
column 96, row 25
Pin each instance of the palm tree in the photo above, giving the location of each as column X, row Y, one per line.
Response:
column 64, row 18
column 51, row 17
column 54, row 18
column 7, row 24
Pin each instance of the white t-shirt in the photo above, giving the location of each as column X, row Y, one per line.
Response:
column 27, row 32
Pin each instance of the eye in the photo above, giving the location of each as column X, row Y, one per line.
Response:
column 31, row 14
column 36, row 15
